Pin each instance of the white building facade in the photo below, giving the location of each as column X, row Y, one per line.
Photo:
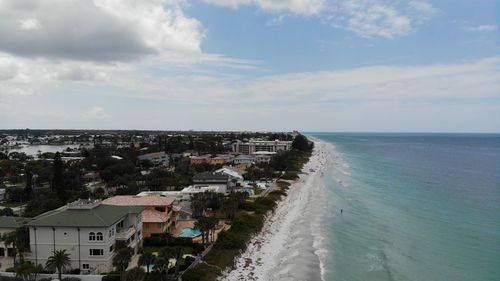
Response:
column 88, row 231
column 252, row 146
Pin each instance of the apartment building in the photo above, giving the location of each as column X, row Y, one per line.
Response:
column 252, row 146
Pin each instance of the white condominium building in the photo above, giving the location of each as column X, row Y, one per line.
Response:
column 252, row 146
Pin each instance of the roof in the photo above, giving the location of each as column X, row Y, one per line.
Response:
column 244, row 157
column 210, row 176
column 99, row 216
column 153, row 216
column 11, row 222
column 153, row 154
column 230, row 172
column 134, row 200
column 264, row 153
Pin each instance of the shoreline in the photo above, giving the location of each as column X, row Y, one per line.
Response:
column 289, row 246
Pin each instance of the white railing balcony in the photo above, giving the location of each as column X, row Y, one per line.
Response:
column 124, row 234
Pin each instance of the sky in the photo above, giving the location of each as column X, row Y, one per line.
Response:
column 279, row 65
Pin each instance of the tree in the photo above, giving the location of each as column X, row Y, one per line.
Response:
column 19, row 240
column 27, row 271
column 147, row 259
column 205, row 225
column 28, row 188
column 135, row 274
column 301, row 143
column 162, row 264
column 167, row 253
column 59, row 260
column 211, row 224
column 230, row 206
column 58, row 177
column 7, row 212
column 122, row 259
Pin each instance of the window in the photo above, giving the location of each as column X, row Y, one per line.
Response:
column 111, row 248
column 92, row 236
column 96, row 252
column 158, row 225
column 110, row 233
column 99, row 236
column 160, row 209
column 86, row 266
column 120, row 224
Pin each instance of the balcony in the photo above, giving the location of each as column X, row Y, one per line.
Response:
column 124, row 234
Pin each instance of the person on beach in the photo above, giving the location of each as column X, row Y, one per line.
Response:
column 341, row 211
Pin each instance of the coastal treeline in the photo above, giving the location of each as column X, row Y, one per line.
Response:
column 250, row 217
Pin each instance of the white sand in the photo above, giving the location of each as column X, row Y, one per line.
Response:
column 288, row 247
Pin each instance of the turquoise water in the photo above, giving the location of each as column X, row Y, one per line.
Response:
column 189, row 232
column 415, row 207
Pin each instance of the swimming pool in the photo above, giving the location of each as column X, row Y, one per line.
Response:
column 189, row 232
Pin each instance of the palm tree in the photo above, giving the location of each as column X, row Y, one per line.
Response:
column 18, row 239
column 167, row 253
column 147, row 259
column 230, row 206
column 122, row 259
column 212, row 223
column 161, row 264
column 198, row 204
column 203, row 225
column 27, row 271
column 59, row 260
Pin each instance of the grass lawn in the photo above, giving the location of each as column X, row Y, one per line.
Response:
column 11, row 204
column 258, row 191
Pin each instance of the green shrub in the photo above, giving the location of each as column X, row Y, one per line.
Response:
column 201, row 272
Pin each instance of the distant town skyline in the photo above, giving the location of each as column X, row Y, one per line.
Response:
column 263, row 65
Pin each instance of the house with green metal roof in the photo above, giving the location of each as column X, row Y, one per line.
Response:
column 7, row 225
column 88, row 231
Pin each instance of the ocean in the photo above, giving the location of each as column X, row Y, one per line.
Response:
column 414, row 207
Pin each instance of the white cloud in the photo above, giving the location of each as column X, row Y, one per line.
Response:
column 367, row 18
column 299, row 7
column 360, row 98
column 95, row 112
column 481, row 28
column 99, row 30
column 30, row 24
column 376, row 20
column 480, row 79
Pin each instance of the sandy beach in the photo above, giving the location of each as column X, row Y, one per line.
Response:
column 289, row 247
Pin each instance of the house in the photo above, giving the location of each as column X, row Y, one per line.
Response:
column 187, row 193
column 244, row 159
column 263, row 156
column 253, row 146
column 7, row 225
column 210, row 178
column 196, row 160
column 221, row 159
column 157, row 218
column 233, row 174
column 88, row 231
column 157, row 158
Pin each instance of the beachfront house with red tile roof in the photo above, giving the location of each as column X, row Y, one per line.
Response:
column 157, row 218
